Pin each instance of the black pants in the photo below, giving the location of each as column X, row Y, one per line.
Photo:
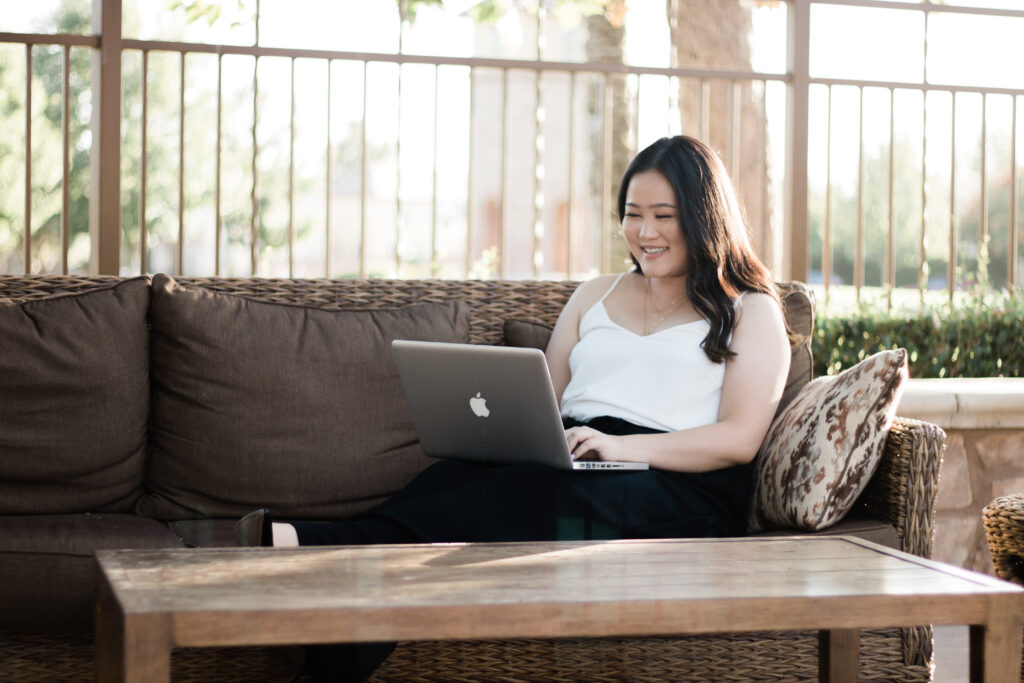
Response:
column 454, row 501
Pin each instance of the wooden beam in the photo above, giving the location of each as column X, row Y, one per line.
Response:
column 796, row 243
column 105, row 204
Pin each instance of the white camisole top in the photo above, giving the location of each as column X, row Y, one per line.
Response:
column 663, row 380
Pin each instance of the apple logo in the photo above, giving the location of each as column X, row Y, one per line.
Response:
column 479, row 406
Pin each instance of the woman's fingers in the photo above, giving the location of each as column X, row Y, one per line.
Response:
column 577, row 438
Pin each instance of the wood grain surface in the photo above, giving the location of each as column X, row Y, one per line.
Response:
column 250, row 596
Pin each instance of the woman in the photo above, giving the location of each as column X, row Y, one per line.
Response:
column 679, row 363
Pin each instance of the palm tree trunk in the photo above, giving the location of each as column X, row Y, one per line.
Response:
column 729, row 116
column 614, row 141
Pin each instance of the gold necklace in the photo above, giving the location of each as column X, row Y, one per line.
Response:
column 669, row 308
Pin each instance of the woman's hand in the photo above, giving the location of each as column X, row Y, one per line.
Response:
column 586, row 443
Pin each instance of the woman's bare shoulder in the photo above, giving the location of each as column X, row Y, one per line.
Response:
column 590, row 291
column 761, row 309
column 758, row 299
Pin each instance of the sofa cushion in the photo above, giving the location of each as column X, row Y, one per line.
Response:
column 872, row 530
column 798, row 305
column 264, row 404
column 48, row 568
column 820, row 453
column 74, row 401
column 207, row 532
column 526, row 334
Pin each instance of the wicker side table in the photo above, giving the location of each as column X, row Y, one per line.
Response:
column 1004, row 529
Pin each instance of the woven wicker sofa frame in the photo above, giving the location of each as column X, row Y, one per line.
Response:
column 901, row 493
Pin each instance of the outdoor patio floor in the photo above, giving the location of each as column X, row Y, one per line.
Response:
column 950, row 654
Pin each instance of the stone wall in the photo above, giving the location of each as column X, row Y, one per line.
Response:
column 984, row 459
column 979, row 465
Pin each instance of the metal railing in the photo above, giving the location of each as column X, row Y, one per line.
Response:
column 66, row 43
column 783, row 235
column 955, row 279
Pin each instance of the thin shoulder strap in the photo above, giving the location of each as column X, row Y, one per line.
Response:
column 614, row 285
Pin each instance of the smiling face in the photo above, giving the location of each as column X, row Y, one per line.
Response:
column 650, row 224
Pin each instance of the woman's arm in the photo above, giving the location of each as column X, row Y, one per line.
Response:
column 754, row 380
column 567, row 330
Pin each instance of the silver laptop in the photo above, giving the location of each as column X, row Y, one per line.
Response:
column 487, row 403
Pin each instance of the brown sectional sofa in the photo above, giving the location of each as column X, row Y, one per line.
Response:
column 151, row 413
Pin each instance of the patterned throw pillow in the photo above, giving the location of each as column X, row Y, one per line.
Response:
column 821, row 451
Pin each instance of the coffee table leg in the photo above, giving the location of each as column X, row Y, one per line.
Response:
column 837, row 655
column 995, row 650
column 130, row 648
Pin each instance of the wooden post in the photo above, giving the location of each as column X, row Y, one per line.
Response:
column 838, row 650
column 105, row 204
column 795, row 261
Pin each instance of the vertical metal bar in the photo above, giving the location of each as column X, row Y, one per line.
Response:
column 538, row 21
column 180, row 251
column 105, row 204
column 922, row 266
column 329, row 199
column 767, row 250
column 983, row 200
column 858, row 252
column 254, row 224
column 217, row 230
column 672, row 20
column 798, row 60
column 572, row 176
column 537, row 256
column 890, row 237
column 434, row 265
column 398, row 168
column 951, row 266
column 735, row 107
column 65, row 131
column 606, row 181
column 503, row 255
column 1012, row 274
column 704, row 102
column 636, row 114
column 28, row 159
column 362, row 182
column 402, row 14
column 469, row 175
column 669, row 103
column 291, row 173
column 538, row 176
column 826, row 231
column 143, row 168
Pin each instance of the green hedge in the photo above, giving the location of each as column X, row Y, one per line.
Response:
column 980, row 339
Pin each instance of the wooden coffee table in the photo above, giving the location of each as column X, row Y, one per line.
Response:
column 151, row 601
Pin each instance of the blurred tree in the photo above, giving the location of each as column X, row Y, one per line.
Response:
column 48, row 65
column 906, row 222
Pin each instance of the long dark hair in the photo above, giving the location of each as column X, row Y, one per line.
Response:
column 722, row 262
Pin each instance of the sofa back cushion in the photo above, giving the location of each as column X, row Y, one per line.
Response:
column 265, row 404
column 798, row 306
column 74, row 401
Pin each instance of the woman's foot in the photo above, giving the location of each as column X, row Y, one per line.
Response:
column 254, row 530
column 283, row 535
